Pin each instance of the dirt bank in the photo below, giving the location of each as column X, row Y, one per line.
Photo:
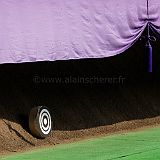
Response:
column 79, row 110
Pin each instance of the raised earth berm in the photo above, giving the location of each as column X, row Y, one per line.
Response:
column 78, row 110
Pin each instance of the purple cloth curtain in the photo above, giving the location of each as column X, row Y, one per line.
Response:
column 41, row 30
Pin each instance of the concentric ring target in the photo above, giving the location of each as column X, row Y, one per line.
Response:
column 45, row 121
column 40, row 122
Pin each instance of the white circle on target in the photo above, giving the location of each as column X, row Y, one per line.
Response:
column 45, row 121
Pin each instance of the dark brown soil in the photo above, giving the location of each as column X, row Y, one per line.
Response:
column 79, row 111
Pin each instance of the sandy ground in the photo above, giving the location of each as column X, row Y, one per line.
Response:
column 79, row 111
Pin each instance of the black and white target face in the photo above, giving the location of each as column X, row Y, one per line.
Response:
column 45, row 121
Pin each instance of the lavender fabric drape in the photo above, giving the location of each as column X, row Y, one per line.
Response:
column 49, row 30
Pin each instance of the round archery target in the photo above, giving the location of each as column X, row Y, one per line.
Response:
column 45, row 121
column 40, row 122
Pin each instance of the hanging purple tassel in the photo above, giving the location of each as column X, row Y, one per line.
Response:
column 149, row 56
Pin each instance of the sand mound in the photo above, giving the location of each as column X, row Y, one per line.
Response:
column 78, row 111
